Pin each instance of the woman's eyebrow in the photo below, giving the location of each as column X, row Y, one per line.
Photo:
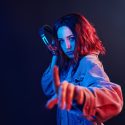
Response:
column 59, row 38
column 67, row 36
column 70, row 36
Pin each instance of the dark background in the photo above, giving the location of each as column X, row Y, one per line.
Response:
column 23, row 57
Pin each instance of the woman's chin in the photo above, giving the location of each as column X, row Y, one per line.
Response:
column 70, row 56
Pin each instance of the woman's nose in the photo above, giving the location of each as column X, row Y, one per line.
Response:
column 68, row 45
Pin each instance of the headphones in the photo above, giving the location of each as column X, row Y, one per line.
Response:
column 47, row 35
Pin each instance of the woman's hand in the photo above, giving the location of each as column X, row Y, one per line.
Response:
column 65, row 93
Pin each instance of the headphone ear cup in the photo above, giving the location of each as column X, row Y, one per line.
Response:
column 47, row 36
column 46, row 33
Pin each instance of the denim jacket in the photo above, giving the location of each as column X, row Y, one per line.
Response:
column 103, row 99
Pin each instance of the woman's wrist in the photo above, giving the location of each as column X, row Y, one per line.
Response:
column 54, row 60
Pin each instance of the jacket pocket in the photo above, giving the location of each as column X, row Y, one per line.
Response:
column 78, row 80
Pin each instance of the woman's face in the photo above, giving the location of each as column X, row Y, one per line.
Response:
column 66, row 40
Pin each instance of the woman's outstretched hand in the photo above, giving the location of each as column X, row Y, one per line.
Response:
column 65, row 93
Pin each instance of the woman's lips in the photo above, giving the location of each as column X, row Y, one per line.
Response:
column 69, row 52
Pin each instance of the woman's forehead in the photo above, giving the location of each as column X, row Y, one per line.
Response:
column 64, row 31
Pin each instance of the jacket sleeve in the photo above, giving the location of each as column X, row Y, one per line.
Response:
column 103, row 99
column 47, row 82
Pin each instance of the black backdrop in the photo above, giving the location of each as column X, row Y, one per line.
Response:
column 23, row 57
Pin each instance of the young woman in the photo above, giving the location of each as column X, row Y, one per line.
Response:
column 78, row 83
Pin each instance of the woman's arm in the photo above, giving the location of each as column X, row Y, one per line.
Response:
column 102, row 98
column 47, row 78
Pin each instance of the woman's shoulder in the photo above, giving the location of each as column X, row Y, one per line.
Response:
column 89, row 58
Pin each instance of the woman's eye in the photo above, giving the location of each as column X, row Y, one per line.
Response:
column 71, row 38
column 61, row 41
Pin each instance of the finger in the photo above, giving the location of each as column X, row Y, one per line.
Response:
column 91, row 111
column 51, row 103
column 62, row 95
column 69, row 95
column 87, row 103
column 56, row 77
column 79, row 94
